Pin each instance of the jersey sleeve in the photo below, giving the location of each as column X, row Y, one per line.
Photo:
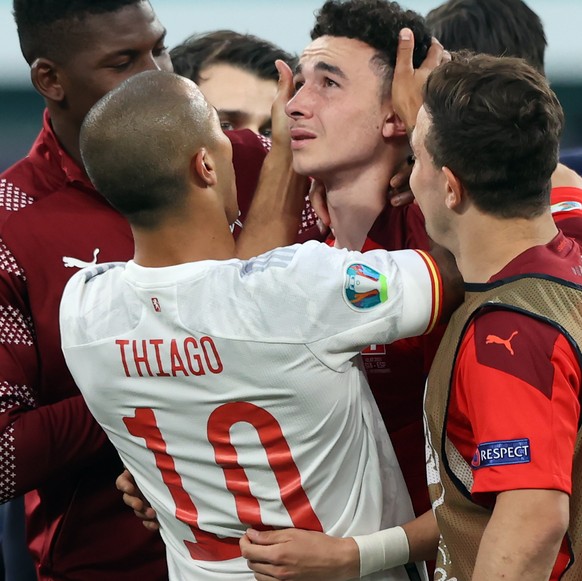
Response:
column 515, row 407
column 37, row 439
column 338, row 302
column 567, row 211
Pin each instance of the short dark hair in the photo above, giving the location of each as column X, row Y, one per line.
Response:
column 495, row 27
column 244, row 51
column 376, row 23
column 496, row 124
column 45, row 26
column 136, row 154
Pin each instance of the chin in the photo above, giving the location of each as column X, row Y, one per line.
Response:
column 302, row 165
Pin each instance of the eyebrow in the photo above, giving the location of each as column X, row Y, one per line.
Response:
column 132, row 51
column 235, row 114
column 324, row 67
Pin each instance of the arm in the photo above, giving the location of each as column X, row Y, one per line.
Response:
column 295, row 554
column 39, row 441
column 523, row 536
column 274, row 216
column 306, row 555
column 452, row 281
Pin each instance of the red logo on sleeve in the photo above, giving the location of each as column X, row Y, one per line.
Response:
column 499, row 341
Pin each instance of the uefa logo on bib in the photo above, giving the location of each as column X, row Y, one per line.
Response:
column 365, row 287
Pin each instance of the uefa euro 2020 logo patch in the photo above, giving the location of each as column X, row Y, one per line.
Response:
column 365, row 287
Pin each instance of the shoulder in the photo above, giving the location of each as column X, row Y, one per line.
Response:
column 91, row 280
column 92, row 304
column 248, row 153
column 17, row 189
column 248, row 148
column 517, row 344
column 298, row 257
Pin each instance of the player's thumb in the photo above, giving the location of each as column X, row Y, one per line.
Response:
column 285, row 86
column 405, row 49
column 264, row 537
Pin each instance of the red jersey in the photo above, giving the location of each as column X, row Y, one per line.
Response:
column 53, row 222
column 397, row 372
column 567, row 211
column 516, row 386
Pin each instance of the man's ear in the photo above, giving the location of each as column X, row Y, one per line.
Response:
column 45, row 77
column 456, row 193
column 202, row 166
column 393, row 126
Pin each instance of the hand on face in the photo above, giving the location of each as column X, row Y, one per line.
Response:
column 399, row 192
column 318, row 199
column 279, row 120
column 408, row 81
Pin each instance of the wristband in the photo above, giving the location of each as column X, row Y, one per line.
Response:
column 382, row 550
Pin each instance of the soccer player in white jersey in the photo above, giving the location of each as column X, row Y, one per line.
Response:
column 231, row 388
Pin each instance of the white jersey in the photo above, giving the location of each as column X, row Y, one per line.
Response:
column 233, row 391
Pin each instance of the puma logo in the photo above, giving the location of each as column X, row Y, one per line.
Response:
column 499, row 341
column 235, row 224
column 71, row 262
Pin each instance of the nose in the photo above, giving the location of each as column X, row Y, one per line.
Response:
column 151, row 63
column 157, row 63
column 299, row 105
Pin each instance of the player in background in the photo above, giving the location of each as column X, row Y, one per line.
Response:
column 231, row 407
column 53, row 222
column 236, row 73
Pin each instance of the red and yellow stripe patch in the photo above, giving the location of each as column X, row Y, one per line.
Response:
column 436, row 288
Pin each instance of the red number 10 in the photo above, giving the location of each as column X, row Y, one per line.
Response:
column 210, row 547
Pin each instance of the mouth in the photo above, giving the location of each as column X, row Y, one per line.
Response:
column 300, row 138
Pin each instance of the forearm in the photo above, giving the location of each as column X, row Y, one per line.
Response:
column 38, row 442
column 423, row 537
column 414, row 541
column 274, row 216
column 45, row 442
column 523, row 536
column 299, row 554
column 452, row 281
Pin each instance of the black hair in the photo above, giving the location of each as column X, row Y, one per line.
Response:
column 375, row 22
column 244, row 51
column 44, row 26
column 495, row 27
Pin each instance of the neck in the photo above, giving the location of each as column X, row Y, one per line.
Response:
column 355, row 200
column 487, row 244
column 188, row 236
column 67, row 133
